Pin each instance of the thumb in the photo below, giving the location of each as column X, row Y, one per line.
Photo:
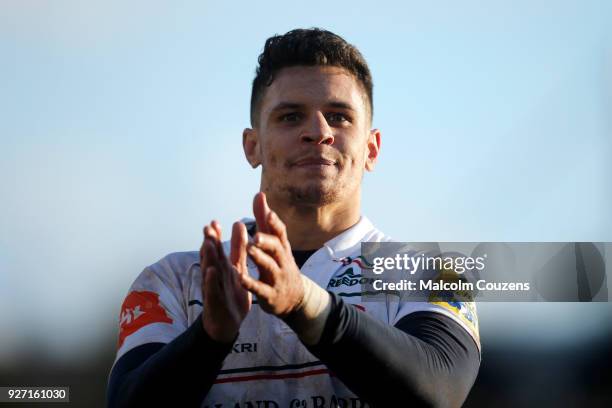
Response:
column 261, row 210
column 238, row 254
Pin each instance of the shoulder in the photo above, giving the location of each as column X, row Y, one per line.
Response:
column 371, row 233
column 376, row 235
column 177, row 261
column 170, row 271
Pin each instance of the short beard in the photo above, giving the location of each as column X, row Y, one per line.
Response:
column 310, row 196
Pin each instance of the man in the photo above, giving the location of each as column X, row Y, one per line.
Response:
column 249, row 322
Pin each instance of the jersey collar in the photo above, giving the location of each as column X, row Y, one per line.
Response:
column 342, row 244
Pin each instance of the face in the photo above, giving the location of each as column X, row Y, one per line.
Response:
column 313, row 139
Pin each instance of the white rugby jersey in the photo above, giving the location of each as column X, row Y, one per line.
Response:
column 268, row 366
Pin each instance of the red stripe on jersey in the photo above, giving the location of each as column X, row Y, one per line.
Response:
column 272, row 376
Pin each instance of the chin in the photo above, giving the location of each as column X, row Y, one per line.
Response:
column 311, row 195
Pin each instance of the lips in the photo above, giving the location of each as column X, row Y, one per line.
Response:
column 314, row 161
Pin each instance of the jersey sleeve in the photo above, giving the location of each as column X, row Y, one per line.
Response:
column 457, row 305
column 463, row 313
column 153, row 310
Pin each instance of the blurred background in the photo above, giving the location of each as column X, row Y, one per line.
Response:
column 120, row 137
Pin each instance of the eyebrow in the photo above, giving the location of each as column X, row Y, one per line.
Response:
column 286, row 105
column 293, row 105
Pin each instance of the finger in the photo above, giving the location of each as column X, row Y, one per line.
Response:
column 260, row 289
column 210, row 253
column 210, row 232
column 216, row 227
column 260, row 210
column 271, row 245
column 268, row 268
column 238, row 254
column 203, row 247
column 277, row 227
column 211, row 282
column 210, row 235
column 228, row 276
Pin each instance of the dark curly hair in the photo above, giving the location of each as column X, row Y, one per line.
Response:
column 308, row 47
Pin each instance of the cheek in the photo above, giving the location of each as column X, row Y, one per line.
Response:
column 269, row 161
column 355, row 157
column 277, row 150
column 270, row 157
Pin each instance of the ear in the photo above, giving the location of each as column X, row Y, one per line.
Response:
column 250, row 144
column 373, row 148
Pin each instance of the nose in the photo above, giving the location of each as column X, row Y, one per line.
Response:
column 317, row 131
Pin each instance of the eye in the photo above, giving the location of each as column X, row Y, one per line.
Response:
column 337, row 117
column 290, row 117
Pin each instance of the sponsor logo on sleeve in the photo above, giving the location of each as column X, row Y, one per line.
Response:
column 466, row 312
column 139, row 309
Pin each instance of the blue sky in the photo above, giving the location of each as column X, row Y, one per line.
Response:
column 121, row 128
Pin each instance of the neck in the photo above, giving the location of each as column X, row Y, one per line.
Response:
column 311, row 227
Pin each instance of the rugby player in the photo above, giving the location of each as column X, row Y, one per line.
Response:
column 273, row 317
